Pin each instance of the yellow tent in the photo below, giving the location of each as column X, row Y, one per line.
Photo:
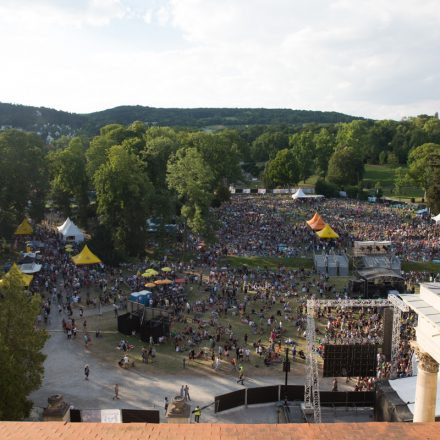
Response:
column 24, row 228
column 86, row 256
column 327, row 232
column 15, row 270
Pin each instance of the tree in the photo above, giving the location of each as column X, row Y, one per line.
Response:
column 123, row 195
column 191, row 177
column 392, row 160
column 345, row 167
column 23, row 178
column 354, row 135
column 21, row 360
column 302, row 145
column 325, row 188
column 220, row 155
column 401, row 179
column 282, row 170
column 421, row 162
column 324, row 147
column 69, row 178
column 266, row 145
column 433, row 192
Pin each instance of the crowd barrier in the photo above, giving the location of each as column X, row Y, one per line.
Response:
column 233, row 190
column 275, row 393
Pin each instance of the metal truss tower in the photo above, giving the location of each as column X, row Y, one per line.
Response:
column 311, row 390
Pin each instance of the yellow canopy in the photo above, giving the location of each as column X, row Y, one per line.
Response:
column 150, row 273
column 327, row 232
column 166, row 269
column 15, row 271
column 86, row 256
column 24, row 228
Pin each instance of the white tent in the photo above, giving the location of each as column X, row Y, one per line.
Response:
column 70, row 232
column 436, row 219
column 30, row 268
column 299, row 194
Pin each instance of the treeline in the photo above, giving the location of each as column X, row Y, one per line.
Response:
column 113, row 182
column 338, row 153
column 50, row 121
column 117, row 180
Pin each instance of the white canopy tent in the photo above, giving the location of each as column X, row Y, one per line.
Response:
column 30, row 268
column 436, row 219
column 301, row 195
column 70, row 232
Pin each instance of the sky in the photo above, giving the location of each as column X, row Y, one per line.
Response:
column 371, row 58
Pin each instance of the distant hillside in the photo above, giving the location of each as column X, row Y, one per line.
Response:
column 56, row 123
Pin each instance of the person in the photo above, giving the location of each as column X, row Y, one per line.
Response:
column 240, row 375
column 182, row 391
column 116, row 396
column 166, row 404
column 186, row 389
column 86, row 372
column 335, row 385
column 197, row 413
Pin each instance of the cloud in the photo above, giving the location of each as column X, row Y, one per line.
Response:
column 366, row 57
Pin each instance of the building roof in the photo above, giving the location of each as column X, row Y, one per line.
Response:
column 204, row 431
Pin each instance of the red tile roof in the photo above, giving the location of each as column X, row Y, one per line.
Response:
column 204, row 431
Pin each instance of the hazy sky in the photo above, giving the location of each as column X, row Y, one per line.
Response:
column 375, row 58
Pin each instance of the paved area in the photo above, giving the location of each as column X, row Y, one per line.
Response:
column 64, row 374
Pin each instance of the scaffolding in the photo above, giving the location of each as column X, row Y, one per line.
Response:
column 311, row 389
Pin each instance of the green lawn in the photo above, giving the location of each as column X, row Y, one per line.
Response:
column 421, row 266
column 270, row 262
column 385, row 175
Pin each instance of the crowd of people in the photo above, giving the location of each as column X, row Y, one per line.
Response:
column 266, row 225
column 268, row 304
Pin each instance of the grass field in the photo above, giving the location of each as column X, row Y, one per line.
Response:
column 270, row 262
column 170, row 362
column 421, row 266
column 385, row 175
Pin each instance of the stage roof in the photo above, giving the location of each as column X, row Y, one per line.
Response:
column 377, row 272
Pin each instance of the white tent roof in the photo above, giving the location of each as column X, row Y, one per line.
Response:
column 30, row 268
column 69, row 229
column 299, row 194
column 436, row 218
column 64, row 225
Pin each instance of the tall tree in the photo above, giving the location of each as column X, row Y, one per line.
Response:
column 191, row 177
column 123, row 194
column 21, row 360
column 345, row 167
column 266, row 145
column 422, row 161
column 23, row 178
column 302, row 145
column 324, row 147
column 69, row 178
column 283, row 170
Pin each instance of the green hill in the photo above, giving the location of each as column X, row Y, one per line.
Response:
column 52, row 122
